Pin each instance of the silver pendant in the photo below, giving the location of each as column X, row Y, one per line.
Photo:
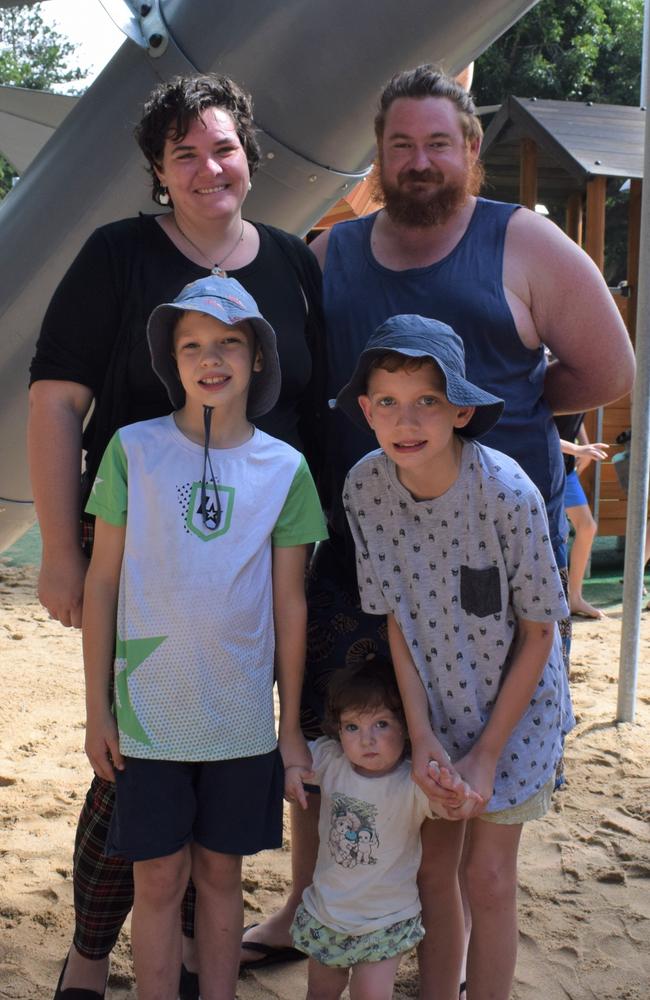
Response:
column 218, row 272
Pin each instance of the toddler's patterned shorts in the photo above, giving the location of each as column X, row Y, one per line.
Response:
column 345, row 950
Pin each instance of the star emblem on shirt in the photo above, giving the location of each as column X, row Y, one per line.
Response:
column 135, row 652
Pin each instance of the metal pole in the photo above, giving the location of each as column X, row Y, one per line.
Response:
column 644, row 56
column 637, row 499
column 597, row 482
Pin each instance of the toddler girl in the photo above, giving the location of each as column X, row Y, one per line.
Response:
column 362, row 911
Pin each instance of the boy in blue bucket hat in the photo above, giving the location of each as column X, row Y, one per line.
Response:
column 194, row 600
column 453, row 546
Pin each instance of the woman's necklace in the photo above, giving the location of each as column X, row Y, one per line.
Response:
column 215, row 268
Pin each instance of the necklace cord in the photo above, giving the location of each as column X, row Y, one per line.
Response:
column 207, row 464
column 215, row 268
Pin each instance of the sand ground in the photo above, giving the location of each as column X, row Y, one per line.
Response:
column 584, row 868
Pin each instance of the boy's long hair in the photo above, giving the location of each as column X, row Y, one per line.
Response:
column 362, row 687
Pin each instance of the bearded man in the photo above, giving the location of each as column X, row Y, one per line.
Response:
column 510, row 283
column 506, row 279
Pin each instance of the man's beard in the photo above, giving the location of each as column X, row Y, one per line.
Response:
column 420, row 209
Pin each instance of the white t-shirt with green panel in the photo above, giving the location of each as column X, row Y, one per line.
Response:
column 195, row 638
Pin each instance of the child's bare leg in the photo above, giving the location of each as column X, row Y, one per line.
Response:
column 467, row 915
column 325, row 982
column 585, row 528
column 155, row 924
column 491, row 881
column 374, row 980
column 219, row 920
column 274, row 931
column 440, row 954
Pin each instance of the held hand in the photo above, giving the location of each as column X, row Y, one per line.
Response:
column 464, row 810
column 294, row 789
column 103, row 746
column 434, row 773
column 61, row 586
column 478, row 769
column 464, row 800
column 297, row 766
column 447, row 777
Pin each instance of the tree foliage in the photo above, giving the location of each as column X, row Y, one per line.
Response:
column 32, row 54
column 572, row 50
column 568, row 50
column 35, row 56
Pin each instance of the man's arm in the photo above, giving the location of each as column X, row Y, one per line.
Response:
column 56, row 414
column 290, row 619
column 319, row 248
column 99, row 625
column 559, row 298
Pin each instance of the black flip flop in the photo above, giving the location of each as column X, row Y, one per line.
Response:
column 188, row 988
column 271, row 954
column 73, row 992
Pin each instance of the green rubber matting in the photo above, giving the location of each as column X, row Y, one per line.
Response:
column 604, row 587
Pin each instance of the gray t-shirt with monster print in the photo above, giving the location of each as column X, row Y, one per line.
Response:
column 457, row 572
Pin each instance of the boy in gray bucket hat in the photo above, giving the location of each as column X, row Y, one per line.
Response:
column 194, row 601
column 452, row 544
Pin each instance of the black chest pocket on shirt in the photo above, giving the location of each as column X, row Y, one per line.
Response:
column 480, row 591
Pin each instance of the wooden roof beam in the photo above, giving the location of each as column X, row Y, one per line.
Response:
column 528, row 173
column 595, row 226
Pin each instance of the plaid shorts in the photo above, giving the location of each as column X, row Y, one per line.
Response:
column 103, row 886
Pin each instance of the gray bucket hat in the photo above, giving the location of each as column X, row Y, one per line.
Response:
column 223, row 299
column 418, row 337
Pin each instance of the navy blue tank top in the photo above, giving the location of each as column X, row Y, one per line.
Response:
column 465, row 290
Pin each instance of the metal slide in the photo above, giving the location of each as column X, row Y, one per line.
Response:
column 314, row 68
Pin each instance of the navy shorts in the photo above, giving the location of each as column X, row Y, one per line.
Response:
column 227, row 806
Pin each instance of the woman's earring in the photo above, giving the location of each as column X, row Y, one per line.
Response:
column 163, row 196
column 250, row 185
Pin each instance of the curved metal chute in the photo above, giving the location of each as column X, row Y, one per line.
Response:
column 314, row 68
column 27, row 120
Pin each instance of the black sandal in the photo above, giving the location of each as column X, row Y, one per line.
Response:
column 188, row 988
column 73, row 992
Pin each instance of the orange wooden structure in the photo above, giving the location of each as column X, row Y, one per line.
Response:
column 359, row 201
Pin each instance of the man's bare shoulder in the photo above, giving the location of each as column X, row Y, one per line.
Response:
column 544, row 268
column 557, row 286
column 530, row 235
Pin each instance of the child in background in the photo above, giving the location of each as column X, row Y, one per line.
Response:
column 578, row 453
column 362, row 912
column 194, row 595
column 452, row 544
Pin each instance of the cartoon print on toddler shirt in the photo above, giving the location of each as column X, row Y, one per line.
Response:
column 352, row 838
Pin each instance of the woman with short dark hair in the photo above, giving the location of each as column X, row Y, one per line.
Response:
column 198, row 136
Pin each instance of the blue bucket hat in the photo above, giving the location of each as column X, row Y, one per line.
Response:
column 419, row 337
column 223, row 299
